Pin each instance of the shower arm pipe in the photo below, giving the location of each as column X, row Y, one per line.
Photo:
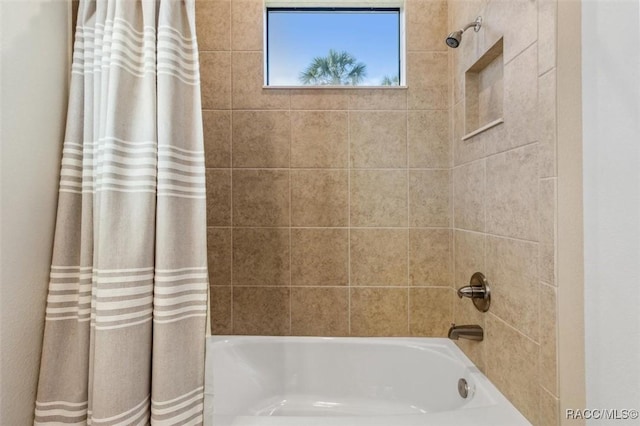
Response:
column 475, row 25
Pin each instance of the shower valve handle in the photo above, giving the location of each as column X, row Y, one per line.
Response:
column 478, row 291
column 472, row 292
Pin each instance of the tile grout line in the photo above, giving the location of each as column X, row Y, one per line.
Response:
column 397, row 110
column 538, row 221
column 524, row 49
column 484, row 191
column 441, row 287
column 407, row 163
column 544, row 388
column 231, row 227
column 349, row 220
column 494, row 154
column 545, row 73
column 546, row 284
column 367, row 169
column 452, row 237
column 434, row 228
column 290, row 226
column 483, row 350
column 513, row 328
column 489, row 234
column 231, row 313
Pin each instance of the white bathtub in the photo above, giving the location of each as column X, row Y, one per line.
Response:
column 314, row 381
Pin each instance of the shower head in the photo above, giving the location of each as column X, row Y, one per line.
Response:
column 454, row 38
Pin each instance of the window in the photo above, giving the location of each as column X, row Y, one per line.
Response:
column 333, row 46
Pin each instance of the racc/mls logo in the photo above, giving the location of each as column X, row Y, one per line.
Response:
column 601, row 414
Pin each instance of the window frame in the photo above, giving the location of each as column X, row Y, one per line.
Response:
column 329, row 6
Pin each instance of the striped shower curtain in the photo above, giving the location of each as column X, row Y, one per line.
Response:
column 127, row 304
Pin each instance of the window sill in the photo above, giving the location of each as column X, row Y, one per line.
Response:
column 335, row 87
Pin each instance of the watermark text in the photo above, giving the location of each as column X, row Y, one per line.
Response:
column 601, row 414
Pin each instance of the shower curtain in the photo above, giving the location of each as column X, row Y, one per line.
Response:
column 127, row 304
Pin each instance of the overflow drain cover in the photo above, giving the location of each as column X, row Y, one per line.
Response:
column 463, row 388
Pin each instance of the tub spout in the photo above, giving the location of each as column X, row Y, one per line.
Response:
column 470, row 332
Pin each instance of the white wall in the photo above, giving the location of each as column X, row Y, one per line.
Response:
column 33, row 92
column 611, row 105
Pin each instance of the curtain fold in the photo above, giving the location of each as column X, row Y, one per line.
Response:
column 127, row 304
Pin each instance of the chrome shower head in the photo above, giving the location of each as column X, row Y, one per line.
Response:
column 453, row 39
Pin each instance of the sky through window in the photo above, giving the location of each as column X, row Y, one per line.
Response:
column 295, row 38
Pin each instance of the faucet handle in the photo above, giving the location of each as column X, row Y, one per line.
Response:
column 472, row 292
column 478, row 291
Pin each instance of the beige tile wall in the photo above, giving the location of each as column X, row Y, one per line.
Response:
column 329, row 211
column 504, row 202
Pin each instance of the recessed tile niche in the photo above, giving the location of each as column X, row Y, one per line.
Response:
column 483, row 92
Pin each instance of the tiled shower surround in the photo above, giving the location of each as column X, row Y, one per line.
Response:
column 359, row 211
column 504, row 203
column 329, row 210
